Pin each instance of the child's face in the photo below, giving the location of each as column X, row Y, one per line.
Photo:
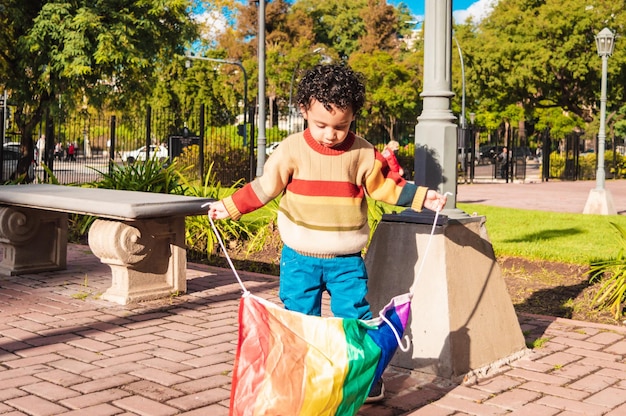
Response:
column 328, row 128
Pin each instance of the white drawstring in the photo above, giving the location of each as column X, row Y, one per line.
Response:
column 381, row 314
column 430, row 239
column 401, row 345
column 219, row 239
column 404, row 348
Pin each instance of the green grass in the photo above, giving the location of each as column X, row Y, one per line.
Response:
column 540, row 235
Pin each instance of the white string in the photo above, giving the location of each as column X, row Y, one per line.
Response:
column 219, row 240
column 403, row 346
column 381, row 314
column 430, row 239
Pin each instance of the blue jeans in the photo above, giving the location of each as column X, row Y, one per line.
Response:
column 303, row 279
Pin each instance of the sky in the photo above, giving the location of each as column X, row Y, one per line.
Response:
column 461, row 9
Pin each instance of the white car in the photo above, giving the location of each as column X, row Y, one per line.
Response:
column 10, row 158
column 156, row 151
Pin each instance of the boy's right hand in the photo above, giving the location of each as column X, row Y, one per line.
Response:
column 217, row 211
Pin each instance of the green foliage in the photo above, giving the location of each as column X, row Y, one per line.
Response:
column 611, row 273
column 559, row 122
column 336, row 23
column 530, row 54
column 557, row 165
column 152, row 175
column 199, row 235
column 587, row 166
column 615, row 164
column 390, row 88
column 224, row 155
column 375, row 211
column 262, row 226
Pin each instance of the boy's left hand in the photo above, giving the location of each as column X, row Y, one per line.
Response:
column 435, row 201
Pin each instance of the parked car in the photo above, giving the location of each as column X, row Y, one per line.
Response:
column 10, row 158
column 156, row 151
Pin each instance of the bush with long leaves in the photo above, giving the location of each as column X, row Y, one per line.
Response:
column 611, row 274
column 199, row 235
column 152, row 175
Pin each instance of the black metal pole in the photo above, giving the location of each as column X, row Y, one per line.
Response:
column 201, row 143
column 148, row 131
column 112, row 145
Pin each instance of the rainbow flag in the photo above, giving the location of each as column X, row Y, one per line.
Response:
column 291, row 364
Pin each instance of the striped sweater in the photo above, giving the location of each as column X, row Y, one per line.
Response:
column 323, row 210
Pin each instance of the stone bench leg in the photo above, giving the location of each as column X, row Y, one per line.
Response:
column 147, row 257
column 32, row 240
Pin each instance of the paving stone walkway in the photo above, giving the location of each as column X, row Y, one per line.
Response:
column 65, row 352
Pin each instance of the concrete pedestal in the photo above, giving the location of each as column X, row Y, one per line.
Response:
column 147, row 257
column 31, row 240
column 600, row 202
column 462, row 318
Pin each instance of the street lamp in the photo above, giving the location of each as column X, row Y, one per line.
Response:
column 472, row 117
column 458, row 47
column 293, row 77
column 600, row 201
column 245, row 89
column 245, row 84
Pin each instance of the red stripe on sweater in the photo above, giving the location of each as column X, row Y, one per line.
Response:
column 246, row 200
column 325, row 188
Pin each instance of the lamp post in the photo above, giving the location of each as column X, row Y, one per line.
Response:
column 293, row 77
column 245, row 90
column 458, row 47
column 462, row 144
column 472, row 117
column 600, row 201
column 261, row 138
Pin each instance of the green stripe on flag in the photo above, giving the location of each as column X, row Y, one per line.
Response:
column 363, row 356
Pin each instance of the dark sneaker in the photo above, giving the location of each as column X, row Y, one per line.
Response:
column 377, row 392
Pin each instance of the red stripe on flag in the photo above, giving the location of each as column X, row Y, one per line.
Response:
column 252, row 348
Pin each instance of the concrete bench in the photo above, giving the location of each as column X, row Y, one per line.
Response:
column 140, row 235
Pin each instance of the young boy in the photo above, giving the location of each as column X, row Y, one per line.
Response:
column 323, row 175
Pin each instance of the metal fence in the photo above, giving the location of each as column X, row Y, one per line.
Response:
column 230, row 151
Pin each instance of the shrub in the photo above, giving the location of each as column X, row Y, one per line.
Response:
column 557, row 165
column 587, row 166
column 612, row 275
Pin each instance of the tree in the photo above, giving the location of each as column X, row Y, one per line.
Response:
column 337, row 24
column 380, row 24
column 392, row 88
column 100, row 52
column 542, row 54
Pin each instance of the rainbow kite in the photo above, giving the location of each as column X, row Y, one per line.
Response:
column 291, row 364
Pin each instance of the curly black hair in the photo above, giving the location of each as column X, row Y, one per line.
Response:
column 332, row 84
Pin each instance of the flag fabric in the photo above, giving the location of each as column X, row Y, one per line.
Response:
column 292, row 364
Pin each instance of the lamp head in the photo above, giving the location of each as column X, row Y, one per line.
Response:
column 605, row 42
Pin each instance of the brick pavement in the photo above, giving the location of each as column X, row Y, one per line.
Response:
column 65, row 352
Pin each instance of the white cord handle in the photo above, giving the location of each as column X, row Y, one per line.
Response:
column 219, row 240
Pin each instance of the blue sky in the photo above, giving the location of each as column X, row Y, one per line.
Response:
column 461, row 9
column 417, row 6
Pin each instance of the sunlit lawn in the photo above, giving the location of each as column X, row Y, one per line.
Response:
column 564, row 237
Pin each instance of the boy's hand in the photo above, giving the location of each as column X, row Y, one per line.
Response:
column 217, row 211
column 435, row 201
